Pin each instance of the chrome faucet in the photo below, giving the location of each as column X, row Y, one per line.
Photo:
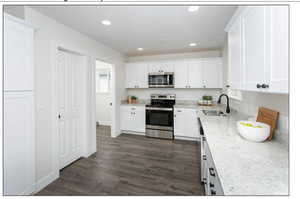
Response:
column 227, row 99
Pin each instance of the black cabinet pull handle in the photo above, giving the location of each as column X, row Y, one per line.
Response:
column 204, row 157
column 258, row 85
column 265, row 86
column 212, row 172
column 59, row 116
column 211, row 185
column 213, row 192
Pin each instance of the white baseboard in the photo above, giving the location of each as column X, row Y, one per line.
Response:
column 186, row 138
column 106, row 123
column 134, row 132
column 42, row 183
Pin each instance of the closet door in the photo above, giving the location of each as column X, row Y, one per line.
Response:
column 69, row 107
column 19, row 142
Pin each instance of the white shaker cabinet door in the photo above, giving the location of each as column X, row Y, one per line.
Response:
column 141, row 72
column 130, row 75
column 191, row 123
column 254, row 47
column 186, row 123
column 139, row 120
column 195, row 74
column 18, row 56
column 179, row 122
column 126, row 118
column 19, row 143
column 212, row 73
column 235, row 55
column 277, row 74
column 154, row 67
column 167, row 66
column 181, row 74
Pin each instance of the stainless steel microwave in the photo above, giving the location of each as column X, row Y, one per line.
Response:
column 161, row 80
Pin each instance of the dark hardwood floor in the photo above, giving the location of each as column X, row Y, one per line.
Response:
column 132, row 165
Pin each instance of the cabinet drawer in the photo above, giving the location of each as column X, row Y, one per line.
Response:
column 132, row 108
column 214, row 186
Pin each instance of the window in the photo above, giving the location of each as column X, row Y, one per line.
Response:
column 102, row 80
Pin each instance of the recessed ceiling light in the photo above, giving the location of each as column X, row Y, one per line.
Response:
column 193, row 44
column 193, row 8
column 140, row 49
column 106, row 22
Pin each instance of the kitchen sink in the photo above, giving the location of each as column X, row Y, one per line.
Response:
column 213, row 113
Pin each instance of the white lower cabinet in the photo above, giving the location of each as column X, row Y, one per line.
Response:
column 133, row 118
column 209, row 175
column 19, row 143
column 186, row 124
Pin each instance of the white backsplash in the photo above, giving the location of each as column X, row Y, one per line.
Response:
column 181, row 94
column 253, row 100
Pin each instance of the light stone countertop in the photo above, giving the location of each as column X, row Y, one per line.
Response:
column 139, row 103
column 244, row 167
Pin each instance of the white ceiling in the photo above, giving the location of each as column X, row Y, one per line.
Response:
column 155, row 28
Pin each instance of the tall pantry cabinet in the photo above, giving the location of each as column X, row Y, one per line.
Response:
column 19, row 134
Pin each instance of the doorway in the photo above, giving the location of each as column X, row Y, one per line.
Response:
column 104, row 97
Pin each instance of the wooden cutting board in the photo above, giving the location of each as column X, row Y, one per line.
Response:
column 269, row 117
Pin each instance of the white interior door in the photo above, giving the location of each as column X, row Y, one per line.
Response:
column 69, row 107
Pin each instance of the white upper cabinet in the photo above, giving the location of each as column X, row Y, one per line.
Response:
column 254, row 47
column 235, row 55
column 136, row 75
column 160, row 67
column 278, row 72
column 18, row 56
column 212, row 73
column 258, row 49
column 181, row 74
column 195, row 73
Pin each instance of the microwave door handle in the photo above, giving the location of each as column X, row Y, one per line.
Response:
column 168, row 79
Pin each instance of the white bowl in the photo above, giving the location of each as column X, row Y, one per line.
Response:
column 254, row 133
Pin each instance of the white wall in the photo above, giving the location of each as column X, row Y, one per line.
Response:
column 50, row 31
column 251, row 101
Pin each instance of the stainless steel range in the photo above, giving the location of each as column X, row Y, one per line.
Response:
column 159, row 116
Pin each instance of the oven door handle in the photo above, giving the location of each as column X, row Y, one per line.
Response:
column 159, row 109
